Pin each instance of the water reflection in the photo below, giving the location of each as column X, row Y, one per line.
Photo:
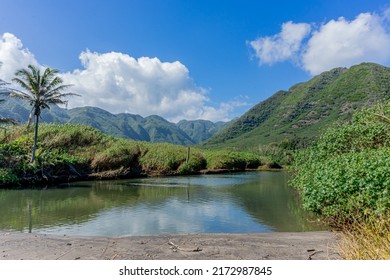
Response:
column 229, row 203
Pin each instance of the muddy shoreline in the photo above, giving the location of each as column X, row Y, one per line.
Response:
column 320, row 245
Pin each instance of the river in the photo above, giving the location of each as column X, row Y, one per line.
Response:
column 249, row 202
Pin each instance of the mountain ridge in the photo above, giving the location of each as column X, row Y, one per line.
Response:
column 302, row 112
column 151, row 128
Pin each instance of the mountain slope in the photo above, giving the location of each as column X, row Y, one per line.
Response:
column 303, row 111
column 151, row 129
column 200, row 130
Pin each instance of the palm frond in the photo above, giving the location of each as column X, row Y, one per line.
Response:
column 54, row 91
column 3, row 83
column 57, row 101
column 25, row 80
column 3, row 89
column 55, row 83
column 21, row 95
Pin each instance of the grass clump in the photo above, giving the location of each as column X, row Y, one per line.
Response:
column 119, row 154
column 168, row 159
column 369, row 240
column 224, row 159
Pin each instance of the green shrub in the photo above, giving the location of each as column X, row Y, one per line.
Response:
column 341, row 184
column 163, row 158
column 223, row 159
column 196, row 163
column 122, row 154
column 7, row 177
column 347, row 171
column 69, row 136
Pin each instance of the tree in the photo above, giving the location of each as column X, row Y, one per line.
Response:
column 41, row 90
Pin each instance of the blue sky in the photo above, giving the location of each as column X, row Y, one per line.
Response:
column 189, row 59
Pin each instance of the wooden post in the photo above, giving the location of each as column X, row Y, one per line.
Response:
column 29, row 209
column 188, row 154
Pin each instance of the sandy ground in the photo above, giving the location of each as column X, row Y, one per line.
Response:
column 270, row 246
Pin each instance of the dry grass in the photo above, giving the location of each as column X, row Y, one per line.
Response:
column 367, row 241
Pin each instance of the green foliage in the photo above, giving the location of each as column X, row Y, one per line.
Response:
column 224, row 159
column 347, row 171
column 13, row 157
column 196, row 163
column 84, row 152
column 164, row 158
column 70, row 136
column 7, row 177
column 120, row 154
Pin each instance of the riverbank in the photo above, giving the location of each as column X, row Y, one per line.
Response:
column 77, row 153
column 320, row 245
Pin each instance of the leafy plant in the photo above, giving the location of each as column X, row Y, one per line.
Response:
column 347, row 171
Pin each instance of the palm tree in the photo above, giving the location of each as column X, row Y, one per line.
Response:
column 40, row 91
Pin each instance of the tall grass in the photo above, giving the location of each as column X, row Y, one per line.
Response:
column 367, row 240
column 70, row 150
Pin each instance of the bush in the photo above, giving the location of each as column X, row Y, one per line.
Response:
column 69, row 136
column 196, row 163
column 163, row 158
column 7, row 177
column 122, row 154
column 341, row 184
column 347, row 171
column 222, row 159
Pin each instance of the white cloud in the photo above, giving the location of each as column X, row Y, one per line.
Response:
column 337, row 43
column 282, row 46
column 120, row 83
column 13, row 56
column 345, row 43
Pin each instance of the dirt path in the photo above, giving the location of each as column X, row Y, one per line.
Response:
column 271, row 246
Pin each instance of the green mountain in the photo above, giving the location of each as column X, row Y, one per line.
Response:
column 19, row 110
column 151, row 129
column 200, row 130
column 303, row 111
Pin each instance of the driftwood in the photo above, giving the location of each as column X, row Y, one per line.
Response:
column 176, row 248
column 316, row 252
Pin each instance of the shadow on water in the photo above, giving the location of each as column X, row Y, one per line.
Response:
column 228, row 203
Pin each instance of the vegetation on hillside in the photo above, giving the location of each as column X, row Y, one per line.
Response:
column 78, row 152
column 304, row 111
column 345, row 176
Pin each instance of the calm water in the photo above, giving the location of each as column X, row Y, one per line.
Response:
column 229, row 203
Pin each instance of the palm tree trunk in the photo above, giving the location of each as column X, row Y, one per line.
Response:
column 35, row 139
column 29, row 119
